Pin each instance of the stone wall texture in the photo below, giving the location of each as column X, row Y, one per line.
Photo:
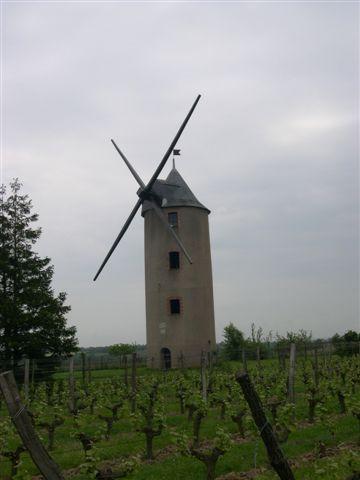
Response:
column 192, row 331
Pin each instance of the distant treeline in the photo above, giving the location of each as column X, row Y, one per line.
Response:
column 257, row 343
column 104, row 351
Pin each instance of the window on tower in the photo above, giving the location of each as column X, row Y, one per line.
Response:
column 174, row 305
column 173, row 219
column 174, row 260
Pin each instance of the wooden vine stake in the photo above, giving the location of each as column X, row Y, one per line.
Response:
column 258, row 356
column 26, row 378
column 291, row 390
column 33, row 367
column 89, row 369
column 276, row 456
column 83, row 367
column 48, row 468
column 126, row 381
column 71, row 385
column 203, row 375
column 133, row 382
column 316, row 366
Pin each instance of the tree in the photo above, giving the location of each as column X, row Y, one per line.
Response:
column 121, row 349
column 302, row 337
column 32, row 317
column 233, row 342
column 347, row 344
column 254, row 344
column 351, row 336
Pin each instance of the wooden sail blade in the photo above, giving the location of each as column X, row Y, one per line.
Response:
column 128, row 164
column 119, row 237
column 172, row 145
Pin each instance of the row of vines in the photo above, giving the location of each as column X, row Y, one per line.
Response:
column 108, row 430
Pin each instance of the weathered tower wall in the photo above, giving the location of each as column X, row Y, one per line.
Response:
column 192, row 330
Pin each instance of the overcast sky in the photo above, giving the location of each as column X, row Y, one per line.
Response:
column 272, row 150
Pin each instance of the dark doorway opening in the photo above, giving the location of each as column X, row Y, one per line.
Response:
column 165, row 358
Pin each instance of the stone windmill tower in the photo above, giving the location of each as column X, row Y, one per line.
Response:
column 179, row 294
column 178, row 275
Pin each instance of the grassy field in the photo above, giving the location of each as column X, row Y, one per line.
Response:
column 315, row 451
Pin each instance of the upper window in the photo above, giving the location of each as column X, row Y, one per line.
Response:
column 173, row 219
column 174, row 260
column 175, row 305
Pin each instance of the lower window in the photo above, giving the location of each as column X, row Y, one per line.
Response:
column 174, row 305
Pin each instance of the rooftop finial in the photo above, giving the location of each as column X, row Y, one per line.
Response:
column 175, row 152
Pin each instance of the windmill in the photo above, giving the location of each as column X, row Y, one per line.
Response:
column 179, row 294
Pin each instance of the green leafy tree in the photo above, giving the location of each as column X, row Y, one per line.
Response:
column 32, row 317
column 121, row 349
column 233, row 342
column 347, row 344
column 302, row 337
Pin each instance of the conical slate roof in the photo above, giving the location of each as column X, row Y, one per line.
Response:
column 174, row 192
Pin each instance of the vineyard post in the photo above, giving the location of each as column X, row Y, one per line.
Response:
column 89, row 369
column 243, row 356
column 83, row 363
column 33, row 366
column 316, row 366
column 26, row 379
column 324, row 355
column 258, row 355
column 48, row 468
column 71, row 384
column 203, row 375
column 211, row 361
column 126, row 381
column 291, row 391
column 276, row 456
column 133, row 382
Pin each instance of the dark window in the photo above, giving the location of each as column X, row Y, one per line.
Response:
column 173, row 219
column 174, row 305
column 174, row 260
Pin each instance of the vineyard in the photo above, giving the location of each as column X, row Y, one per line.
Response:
column 193, row 424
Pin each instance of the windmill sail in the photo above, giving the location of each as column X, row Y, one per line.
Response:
column 145, row 191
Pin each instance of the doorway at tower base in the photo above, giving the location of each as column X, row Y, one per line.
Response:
column 167, row 358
